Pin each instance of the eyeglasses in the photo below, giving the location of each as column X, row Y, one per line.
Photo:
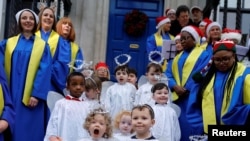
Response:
column 184, row 38
column 102, row 70
column 169, row 14
column 224, row 59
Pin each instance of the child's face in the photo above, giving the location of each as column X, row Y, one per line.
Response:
column 132, row 78
column 178, row 46
column 161, row 96
column 142, row 121
column 76, row 86
column 97, row 127
column 102, row 72
column 151, row 75
column 92, row 94
column 121, row 76
column 125, row 125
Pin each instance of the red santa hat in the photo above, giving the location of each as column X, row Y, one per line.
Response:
column 212, row 24
column 169, row 10
column 195, row 32
column 177, row 37
column 101, row 64
column 224, row 45
column 205, row 22
column 161, row 21
column 231, row 34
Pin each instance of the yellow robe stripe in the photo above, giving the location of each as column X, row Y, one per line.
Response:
column 1, row 100
column 187, row 68
column 36, row 55
column 208, row 105
column 246, row 96
column 53, row 41
column 159, row 43
column 74, row 49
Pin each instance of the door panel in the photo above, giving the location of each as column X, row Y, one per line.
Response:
column 120, row 43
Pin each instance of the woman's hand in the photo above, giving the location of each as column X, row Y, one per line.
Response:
column 180, row 91
column 33, row 102
column 3, row 125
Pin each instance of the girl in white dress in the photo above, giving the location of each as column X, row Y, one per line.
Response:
column 98, row 124
column 66, row 120
column 93, row 89
column 123, row 126
column 166, row 127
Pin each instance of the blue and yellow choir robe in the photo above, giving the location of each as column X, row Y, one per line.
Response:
column 180, row 72
column 27, row 64
column 217, row 107
column 7, row 112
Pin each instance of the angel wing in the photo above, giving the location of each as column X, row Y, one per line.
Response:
column 142, row 80
column 105, row 86
column 52, row 98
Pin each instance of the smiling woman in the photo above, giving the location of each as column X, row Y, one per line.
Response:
column 27, row 62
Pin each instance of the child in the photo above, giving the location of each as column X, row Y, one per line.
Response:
column 143, row 94
column 67, row 117
column 120, row 96
column 102, row 71
column 132, row 77
column 123, row 124
column 167, row 125
column 98, row 124
column 142, row 121
column 93, row 86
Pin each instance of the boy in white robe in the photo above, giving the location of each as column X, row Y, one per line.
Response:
column 144, row 94
column 166, row 127
column 120, row 96
column 67, row 117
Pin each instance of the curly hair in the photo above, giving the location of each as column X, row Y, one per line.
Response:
column 99, row 111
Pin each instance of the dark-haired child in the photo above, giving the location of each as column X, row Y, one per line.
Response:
column 67, row 117
column 120, row 96
column 132, row 77
column 166, row 126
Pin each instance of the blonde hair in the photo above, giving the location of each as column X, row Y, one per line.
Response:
column 66, row 20
column 93, row 82
column 118, row 118
column 99, row 111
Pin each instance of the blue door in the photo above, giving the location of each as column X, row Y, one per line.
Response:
column 121, row 43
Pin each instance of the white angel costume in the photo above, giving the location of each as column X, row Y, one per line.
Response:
column 67, row 119
column 102, row 139
column 144, row 95
column 122, row 137
column 166, row 127
column 119, row 97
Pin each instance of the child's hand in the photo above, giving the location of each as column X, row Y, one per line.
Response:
column 55, row 138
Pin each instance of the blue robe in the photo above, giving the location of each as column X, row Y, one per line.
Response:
column 151, row 45
column 8, row 113
column 182, row 102
column 60, row 68
column 33, row 120
column 61, row 59
column 238, row 112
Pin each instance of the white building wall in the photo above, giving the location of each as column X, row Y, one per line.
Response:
column 2, row 18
